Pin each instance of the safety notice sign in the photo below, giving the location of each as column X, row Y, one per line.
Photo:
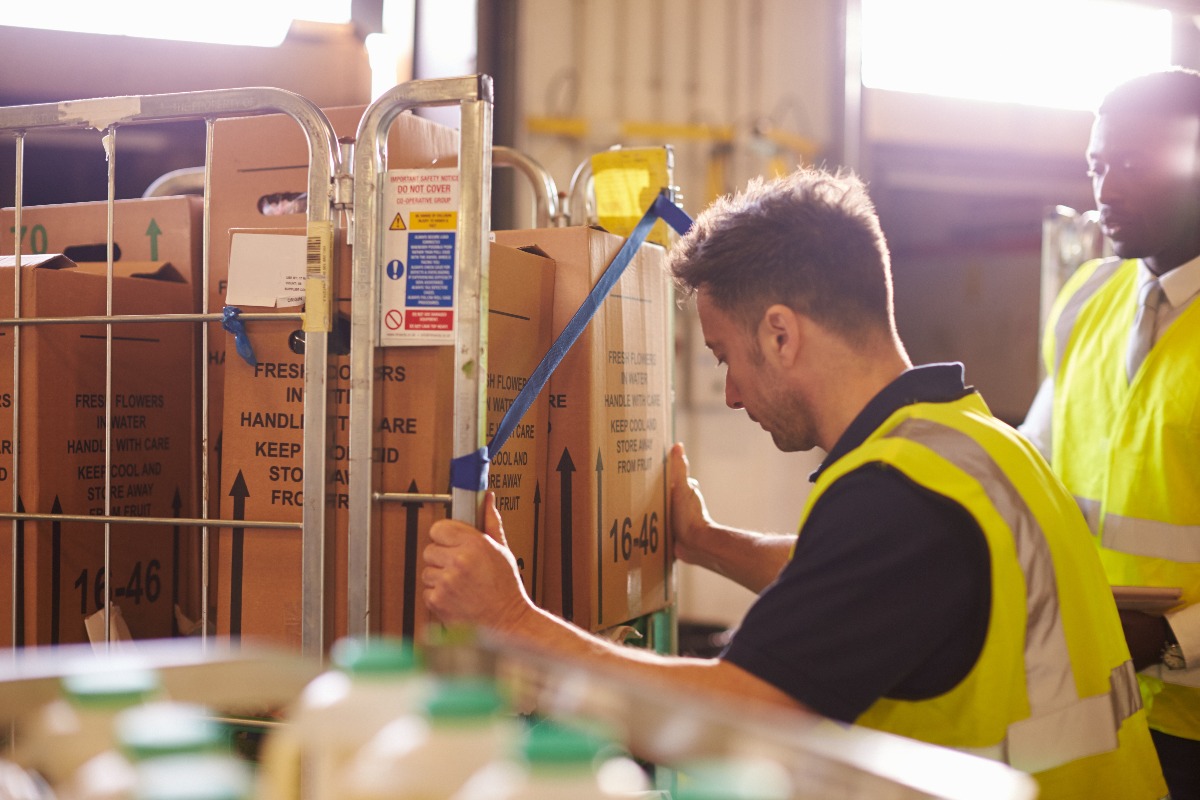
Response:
column 420, row 257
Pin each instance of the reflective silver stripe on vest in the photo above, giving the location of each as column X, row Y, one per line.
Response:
column 1091, row 511
column 1126, row 695
column 1061, row 726
column 1040, row 739
column 1143, row 537
column 1070, row 311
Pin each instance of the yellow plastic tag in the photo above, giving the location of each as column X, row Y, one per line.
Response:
column 316, row 305
column 625, row 183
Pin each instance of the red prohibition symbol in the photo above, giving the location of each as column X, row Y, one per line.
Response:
column 394, row 320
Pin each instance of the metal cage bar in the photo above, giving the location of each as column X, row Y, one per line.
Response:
column 545, row 190
column 473, row 95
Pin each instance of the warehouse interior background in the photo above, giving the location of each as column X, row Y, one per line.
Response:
column 962, row 167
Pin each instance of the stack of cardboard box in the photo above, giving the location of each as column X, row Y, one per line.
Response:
column 608, row 553
column 260, row 569
column 256, row 164
column 582, row 483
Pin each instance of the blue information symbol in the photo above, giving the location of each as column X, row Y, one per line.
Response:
column 395, row 269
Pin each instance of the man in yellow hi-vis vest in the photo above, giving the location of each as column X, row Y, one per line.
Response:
column 1119, row 415
column 942, row 586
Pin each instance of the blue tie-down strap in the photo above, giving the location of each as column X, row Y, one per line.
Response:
column 470, row 472
column 241, row 338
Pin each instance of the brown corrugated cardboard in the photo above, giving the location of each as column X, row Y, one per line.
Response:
column 151, row 229
column 63, row 405
column 144, row 229
column 259, row 569
column 610, row 429
column 260, row 180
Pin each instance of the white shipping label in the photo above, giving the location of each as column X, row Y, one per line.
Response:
column 420, row 257
column 266, row 269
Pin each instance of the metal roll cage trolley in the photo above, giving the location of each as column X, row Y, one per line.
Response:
column 332, row 190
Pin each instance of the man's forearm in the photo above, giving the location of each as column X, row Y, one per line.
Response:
column 709, row 677
column 750, row 559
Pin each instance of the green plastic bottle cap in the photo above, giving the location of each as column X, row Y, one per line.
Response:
column 167, row 728
column 550, row 742
column 381, row 656
column 463, row 698
column 110, row 688
column 194, row 777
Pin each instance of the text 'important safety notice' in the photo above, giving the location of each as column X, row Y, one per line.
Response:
column 420, row 257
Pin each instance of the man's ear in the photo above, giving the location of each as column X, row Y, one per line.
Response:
column 780, row 334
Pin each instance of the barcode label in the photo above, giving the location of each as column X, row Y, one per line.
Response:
column 318, row 259
column 319, row 251
column 312, row 257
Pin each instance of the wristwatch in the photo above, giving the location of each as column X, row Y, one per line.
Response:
column 1172, row 655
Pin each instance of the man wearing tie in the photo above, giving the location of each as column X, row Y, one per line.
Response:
column 1119, row 415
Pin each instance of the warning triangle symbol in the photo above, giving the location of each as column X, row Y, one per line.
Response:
column 397, row 224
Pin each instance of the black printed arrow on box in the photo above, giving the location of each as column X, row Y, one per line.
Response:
column 537, row 517
column 176, row 505
column 599, row 538
column 19, row 630
column 565, row 467
column 55, row 570
column 239, row 492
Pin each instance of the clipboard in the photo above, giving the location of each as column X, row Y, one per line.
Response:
column 1150, row 599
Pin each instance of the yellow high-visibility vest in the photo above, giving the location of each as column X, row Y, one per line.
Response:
column 1053, row 692
column 1130, row 452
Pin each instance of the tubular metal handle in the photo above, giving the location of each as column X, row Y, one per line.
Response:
column 545, row 190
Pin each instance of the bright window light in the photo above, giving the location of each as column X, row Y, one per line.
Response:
column 263, row 23
column 335, row 11
column 1056, row 53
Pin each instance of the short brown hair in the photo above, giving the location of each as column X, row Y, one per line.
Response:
column 810, row 240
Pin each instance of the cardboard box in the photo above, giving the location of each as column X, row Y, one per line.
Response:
column 151, row 229
column 145, row 229
column 259, row 179
column 260, row 569
column 62, row 401
column 608, row 556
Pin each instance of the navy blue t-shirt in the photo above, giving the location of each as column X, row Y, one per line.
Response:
column 889, row 591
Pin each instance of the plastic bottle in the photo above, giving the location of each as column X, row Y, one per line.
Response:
column 143, row 733
column 373, row 682
column 462, row 726
column 736, row 778
column 78, row 726
column 167, row 728
column 18, row 783
column 194, row 776
column 557, row 760
column 178, row 751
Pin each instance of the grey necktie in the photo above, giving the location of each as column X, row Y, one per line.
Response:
column 1141, row 338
